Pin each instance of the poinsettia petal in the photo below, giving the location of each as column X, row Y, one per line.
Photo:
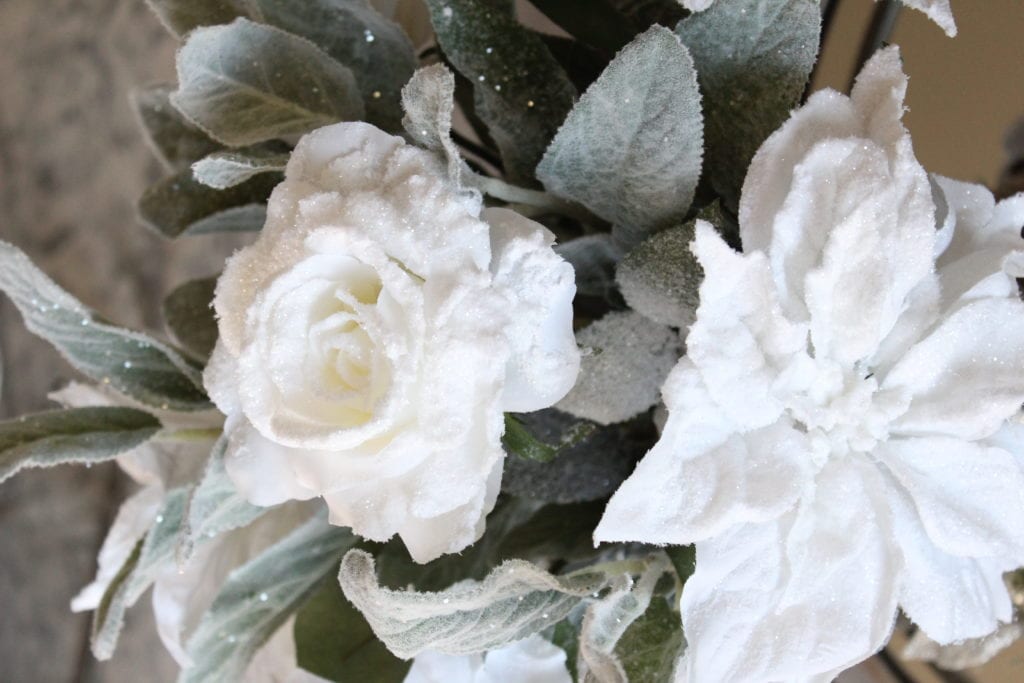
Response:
column 969, row 496
column 798, row 598
column 967, row 376
column 951, row 598
column 742, row 343
column 700, row 480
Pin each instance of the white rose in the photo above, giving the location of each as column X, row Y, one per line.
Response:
column 841, row 438
column 533, row 660
column 373, row 336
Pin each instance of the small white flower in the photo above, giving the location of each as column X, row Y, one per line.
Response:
column 374, row 334
column 533, row 660
column 838, row 440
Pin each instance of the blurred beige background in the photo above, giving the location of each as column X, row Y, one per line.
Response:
column 72, row 163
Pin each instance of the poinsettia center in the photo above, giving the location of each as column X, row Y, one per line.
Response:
column 843, row 412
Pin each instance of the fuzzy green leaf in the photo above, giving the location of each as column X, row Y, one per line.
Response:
column 753, row 60
column 176, row 141
column 189, row 315
column 334, row 641
column 181, row 16
column 180, row 205
column 630, row 150
column 75, row 435
column 520, row 91
column 246, row 82
column 222, row 170
column 132, row 363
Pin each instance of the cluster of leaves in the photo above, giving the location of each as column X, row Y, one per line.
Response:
column 617, row 135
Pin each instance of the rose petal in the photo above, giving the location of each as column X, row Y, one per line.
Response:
column 798, row 598
column 951, row 598
column 741, row 342
column 539, row 286
column 259, row 468
column 970, row 497
column 967, row 376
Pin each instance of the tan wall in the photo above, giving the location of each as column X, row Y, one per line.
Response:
column 965, row 92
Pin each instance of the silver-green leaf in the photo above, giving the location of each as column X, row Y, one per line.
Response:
column 176, row 141
column 661, row 277
column 180, row 205
column 630, row 150
column 429, row 100
column 520, row 90
column 245, row 82
column 222, row 170
column 152, row 555
column 259, row 596
column 181, row 16
column 516, row 600
column 356, row 35
column 189, row 315
column 214, row 506
column 132, row 363
column 753, row 60
column 75, row 435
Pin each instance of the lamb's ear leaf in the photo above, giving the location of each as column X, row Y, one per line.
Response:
column 176, row 141
column 73, row 435
column 190, row 318
column 180, row 205
column 181, row 16
column 520, row 91
column 134, row 364
column 631, row 148
column 334, row 641
column 245, row 82
column 753, row 60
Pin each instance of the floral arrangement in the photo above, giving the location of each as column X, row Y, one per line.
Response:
column 605, row 358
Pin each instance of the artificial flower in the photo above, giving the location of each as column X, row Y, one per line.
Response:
column 373, row 336
column 838, row 441
column 533, row 660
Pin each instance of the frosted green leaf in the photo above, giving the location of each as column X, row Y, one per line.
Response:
column 356, row 35
column 180, row 205
column 594, row 258
column 259, row 596
column 429, row 99
column 515, row 600
column 333, row 641
column 630, row 150
column 176, row 141
column 75, row 435
column 181, row 16
column 753, row 60
column 661, row 277
column 190, row 317
column 246, row 82
column 222, row 170
column 594, row 22
column 520, row 91
column 650, row 648
column 214, row 506
column 626, row 361
column 152, row 555
column 132, row 363
column 607, row 619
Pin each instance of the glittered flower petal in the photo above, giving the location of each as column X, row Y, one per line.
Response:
column 698, row 481
column 967, row 376
column 540, row 287
column 741, row 342
column 259, row 468
column 799, row 598
column 951, row 598
column 970, row 497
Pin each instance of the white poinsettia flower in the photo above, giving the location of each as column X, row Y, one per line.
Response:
column 533, row 660
column 373, row 336
column 838, row 441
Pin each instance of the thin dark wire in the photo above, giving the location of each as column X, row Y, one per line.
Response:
column 470, row 146
column 828, row 14
column 894, row 668
column 883, row 19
